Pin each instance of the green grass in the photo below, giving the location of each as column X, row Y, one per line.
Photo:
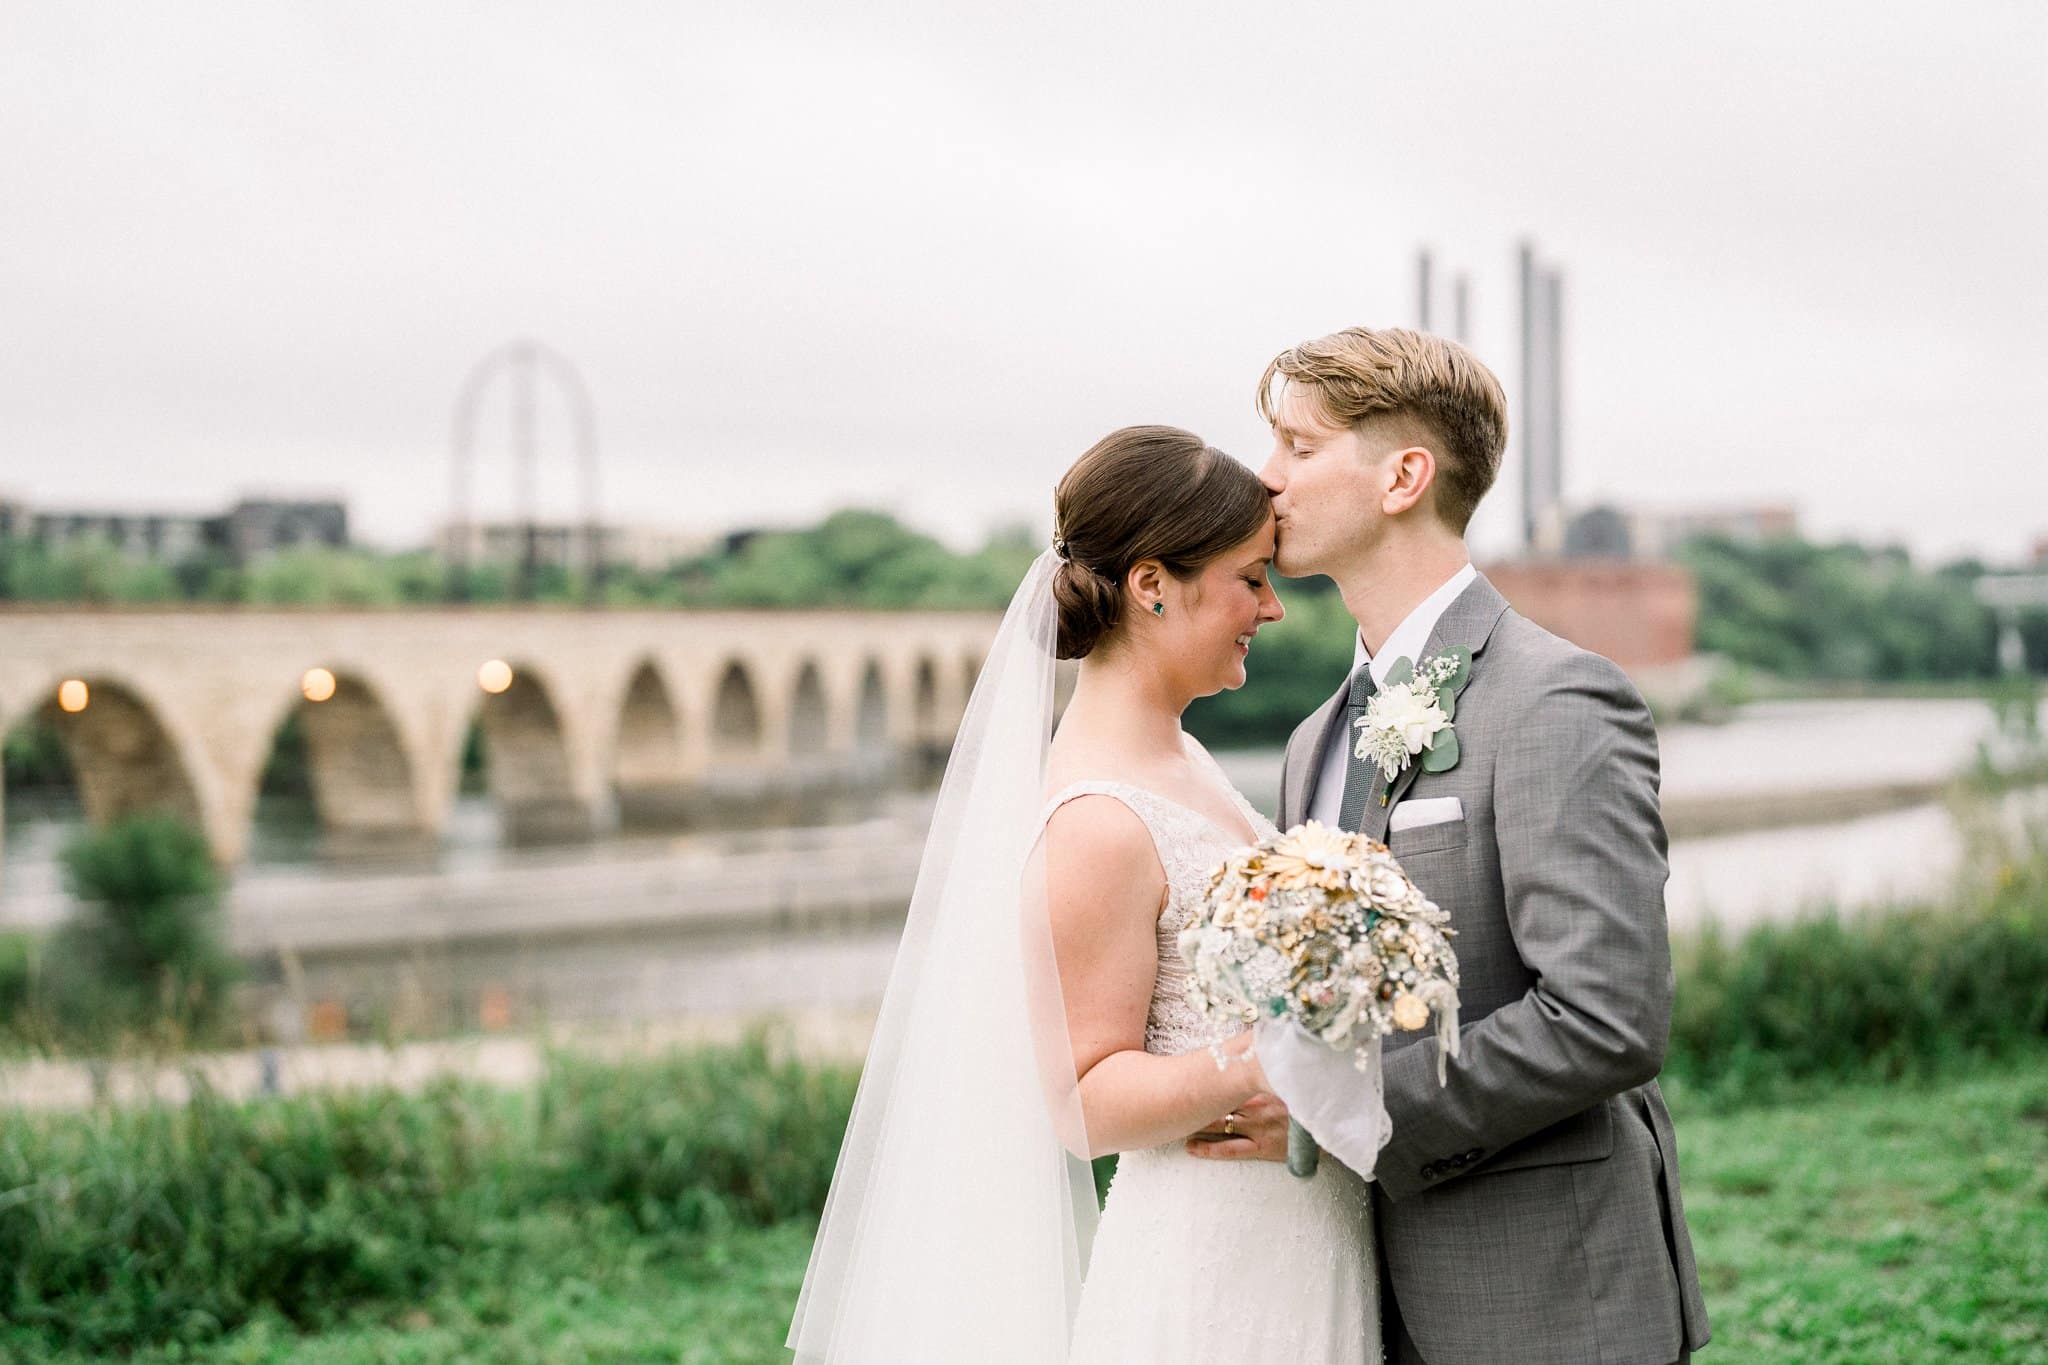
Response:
column 1877, row 1225
column 658, row 1208
column 1871, row 1224
column 558, row 1287
column 145, row 1227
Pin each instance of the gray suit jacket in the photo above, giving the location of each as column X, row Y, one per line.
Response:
column 1529, row 1210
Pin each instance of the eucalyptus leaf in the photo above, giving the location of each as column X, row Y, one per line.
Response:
column 1447, row 702
column 1456, row 682
column 1402, row 671
column 1441, row 756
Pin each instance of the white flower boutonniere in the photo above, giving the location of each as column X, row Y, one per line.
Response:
column 1412, row 714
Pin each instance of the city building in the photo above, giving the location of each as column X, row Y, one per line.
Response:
column 567, row 544
column 257, row 526
column 246, row 531
column 1640, row 614
column 1604, row 531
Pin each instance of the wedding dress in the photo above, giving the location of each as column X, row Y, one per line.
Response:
column 1235, row 1262
column 962, row 1217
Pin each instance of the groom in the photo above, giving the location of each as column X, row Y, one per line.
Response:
column 1529, row 1210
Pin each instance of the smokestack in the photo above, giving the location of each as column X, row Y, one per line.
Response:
column 1422, row 290
column 1532, row 444
column 1554, row 381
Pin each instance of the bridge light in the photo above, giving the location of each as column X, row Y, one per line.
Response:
column 494, row 677
column 318, row 684
column 72, row 695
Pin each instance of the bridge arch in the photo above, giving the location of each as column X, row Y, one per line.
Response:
column 810, row 715
column 970, row 674
column 871, row 722
column 526, row 748
column 363, row 777
column 737, row 722
column 127, row 758
column 924, row 707
column 648, row 763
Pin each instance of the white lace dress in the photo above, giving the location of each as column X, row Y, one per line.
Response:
column 1231, row 1262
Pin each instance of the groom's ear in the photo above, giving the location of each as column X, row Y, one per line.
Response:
column 1412, row 474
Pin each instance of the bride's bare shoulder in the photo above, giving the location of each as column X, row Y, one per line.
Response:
column 1094, row 834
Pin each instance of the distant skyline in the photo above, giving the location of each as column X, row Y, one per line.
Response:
column 809, row 258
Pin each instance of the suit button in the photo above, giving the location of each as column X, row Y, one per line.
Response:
column 1474, row 1154
column 1429, row 1171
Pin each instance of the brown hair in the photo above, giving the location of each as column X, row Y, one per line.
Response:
column 1358, row 374
column 1143, row 493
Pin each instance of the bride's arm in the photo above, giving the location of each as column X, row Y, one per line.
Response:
column 1104, row 888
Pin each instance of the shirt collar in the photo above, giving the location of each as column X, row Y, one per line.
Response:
column 1413, row 633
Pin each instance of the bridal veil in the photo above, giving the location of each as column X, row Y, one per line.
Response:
column 960, row 1214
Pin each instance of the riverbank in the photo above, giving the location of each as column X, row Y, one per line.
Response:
column 1793, row 806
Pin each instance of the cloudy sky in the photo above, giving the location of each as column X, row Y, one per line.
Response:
column 921, row 255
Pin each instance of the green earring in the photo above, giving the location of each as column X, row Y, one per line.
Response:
column 1159, row 608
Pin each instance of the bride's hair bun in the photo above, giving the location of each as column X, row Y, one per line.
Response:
column 1141, row 493
column 1088, row 605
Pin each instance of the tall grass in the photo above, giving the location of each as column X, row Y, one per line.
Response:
column 125, row 1227
column 695, row 1140
column 1833, row 998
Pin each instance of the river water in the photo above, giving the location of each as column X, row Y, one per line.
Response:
column 706, row 965
column 1777, row 750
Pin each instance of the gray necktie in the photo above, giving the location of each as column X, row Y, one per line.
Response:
column 1358, row 772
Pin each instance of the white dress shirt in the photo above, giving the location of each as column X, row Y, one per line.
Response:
column 1407, row 642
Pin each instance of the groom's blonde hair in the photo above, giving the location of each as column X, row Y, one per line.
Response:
column 1360, row 375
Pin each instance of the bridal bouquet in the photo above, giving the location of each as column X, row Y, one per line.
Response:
column 1323, row 927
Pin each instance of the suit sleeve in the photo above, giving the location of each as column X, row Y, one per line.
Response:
column 1583, row 865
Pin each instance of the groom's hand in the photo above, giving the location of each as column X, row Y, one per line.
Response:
column 1258, row 1132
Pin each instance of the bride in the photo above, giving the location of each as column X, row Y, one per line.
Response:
column 1037, row 1017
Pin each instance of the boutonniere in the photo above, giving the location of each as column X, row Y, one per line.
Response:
column 1412, row 715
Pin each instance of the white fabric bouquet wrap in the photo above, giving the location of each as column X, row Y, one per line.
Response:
column 1319, row 938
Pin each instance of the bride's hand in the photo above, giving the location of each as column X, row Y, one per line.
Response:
column 1255, row 1131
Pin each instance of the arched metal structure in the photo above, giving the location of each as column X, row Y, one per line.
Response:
column 523, row 363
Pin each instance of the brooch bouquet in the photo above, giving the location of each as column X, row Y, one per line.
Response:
column 1324, row 928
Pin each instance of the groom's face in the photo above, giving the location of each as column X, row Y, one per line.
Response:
column 1327, row 486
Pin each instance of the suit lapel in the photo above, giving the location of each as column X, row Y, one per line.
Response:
column 1468, row 621
column 1305, row 766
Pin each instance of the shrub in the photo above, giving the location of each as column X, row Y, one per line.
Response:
column 145, row 950
column 1882, row 995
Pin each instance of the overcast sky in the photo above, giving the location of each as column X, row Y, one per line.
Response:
column 922, row 255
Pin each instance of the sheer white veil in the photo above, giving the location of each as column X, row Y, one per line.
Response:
column 960, row 1215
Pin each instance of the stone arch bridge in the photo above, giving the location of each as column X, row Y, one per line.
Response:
column 657, row 715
